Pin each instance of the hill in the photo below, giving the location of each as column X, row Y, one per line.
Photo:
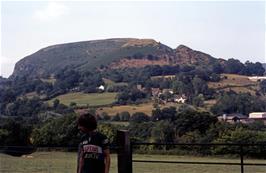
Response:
column 80, row 55
column 109, row 53
column 264, row 65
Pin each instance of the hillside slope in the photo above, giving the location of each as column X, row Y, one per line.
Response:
column 113, row 53
column 81, row 55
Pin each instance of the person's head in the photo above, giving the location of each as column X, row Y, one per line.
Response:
column 87, row 122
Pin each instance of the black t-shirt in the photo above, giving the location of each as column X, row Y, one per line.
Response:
column 90, row 155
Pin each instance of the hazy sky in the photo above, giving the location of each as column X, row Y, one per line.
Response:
column 221, row 29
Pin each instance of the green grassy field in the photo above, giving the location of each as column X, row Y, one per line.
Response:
column 112, row 83
column 82, row 99
column 237, row 83
column 145, row 108
column 65, row 162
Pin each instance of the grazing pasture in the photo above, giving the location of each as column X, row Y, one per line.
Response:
column 237, row 83
column 145, row 108
column 83, row 99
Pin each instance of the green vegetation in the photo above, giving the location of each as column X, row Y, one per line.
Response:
column 65, row 162
column 111, row 83
column 83, row 99
column 243, row 103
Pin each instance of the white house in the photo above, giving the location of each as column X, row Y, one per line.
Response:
column 101, row 88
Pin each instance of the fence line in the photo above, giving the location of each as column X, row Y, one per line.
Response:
column 127, row 154
column 124, row 150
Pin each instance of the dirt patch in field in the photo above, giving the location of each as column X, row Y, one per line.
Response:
column 125, row 63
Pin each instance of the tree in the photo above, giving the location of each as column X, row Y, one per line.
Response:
column 139, row 117
column 163, row 131
column 241, row 136
column 16, row 132
column 263, row 86
column 61, row 131
column 116, row 117
column 56, row 102
column 217, row 68
column 193, row 120
column 104, row 116
column 198, row 100
column 254, row 68
column 243, row 103
column 124, row 116
column 234, row 66
column 199, row 86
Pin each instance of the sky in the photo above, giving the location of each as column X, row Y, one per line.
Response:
column 222, row 29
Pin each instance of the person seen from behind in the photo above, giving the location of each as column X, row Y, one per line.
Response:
column 93, row 152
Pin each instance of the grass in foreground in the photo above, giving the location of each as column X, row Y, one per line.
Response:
column 65, row 162
column 83, row 99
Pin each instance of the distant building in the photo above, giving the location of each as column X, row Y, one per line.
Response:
column 233, row 118
column 180, row 99
column 261, row 116
column 236, row 117
column 257, row 78
column 139, row 87
column 76, row 89
column 101, row 88
column 168, row 90
column 156, row 92
column 257, row 115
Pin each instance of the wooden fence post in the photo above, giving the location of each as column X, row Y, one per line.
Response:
column 124, row 154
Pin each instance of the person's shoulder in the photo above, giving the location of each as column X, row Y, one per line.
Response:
column 104, row 140
column 101, row 135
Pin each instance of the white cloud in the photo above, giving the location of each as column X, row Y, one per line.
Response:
column 52, row 11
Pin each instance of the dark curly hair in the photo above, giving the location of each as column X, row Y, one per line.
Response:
column 88, row 121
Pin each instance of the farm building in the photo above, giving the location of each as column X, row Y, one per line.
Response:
column 236, row 117
column 180, row 99
column 233, row 118
column 258, row 116
column 257, row 78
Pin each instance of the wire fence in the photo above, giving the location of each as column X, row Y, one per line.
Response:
column 129, row 157
column 196, row 164
column 129, row 161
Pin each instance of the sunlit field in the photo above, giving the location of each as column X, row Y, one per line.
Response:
column 82, row 99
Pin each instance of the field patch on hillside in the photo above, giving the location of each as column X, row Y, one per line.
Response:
column 145, row 108
column 112, row 83
column 164, row 77
column 83, row 99
column 237, row 83
column 50, row 80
